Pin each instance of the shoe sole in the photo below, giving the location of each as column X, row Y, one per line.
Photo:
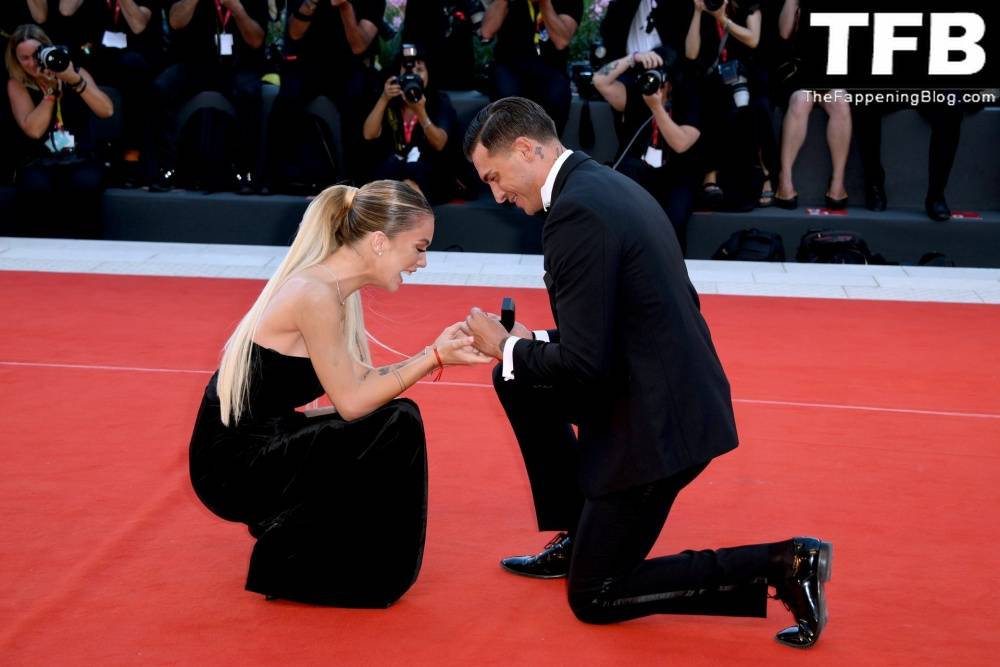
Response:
column 532, row 576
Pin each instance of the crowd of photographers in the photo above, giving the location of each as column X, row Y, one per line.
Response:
column 694, row 84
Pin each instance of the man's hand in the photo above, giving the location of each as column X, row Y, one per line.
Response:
column 655, row 100
column 487, row 333
column 649, row 59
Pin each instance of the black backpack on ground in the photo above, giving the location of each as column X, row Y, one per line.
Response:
column 827, row 246
column 752, row 245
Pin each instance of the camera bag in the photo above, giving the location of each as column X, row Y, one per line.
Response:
column 752, row 245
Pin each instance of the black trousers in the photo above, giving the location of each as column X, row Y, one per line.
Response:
column 60, row 197
column 178, row 83
column 610, row 579
column 131, row 73
column 946, row 128
column 302, row 83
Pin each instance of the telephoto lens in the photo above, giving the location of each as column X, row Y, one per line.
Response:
column 52, row 58
column 651, row 80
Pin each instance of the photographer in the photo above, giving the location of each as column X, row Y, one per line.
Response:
column 721, row 41
column 13, row 14
column 328, row 52
column 123, row 40
column 445, row 29
column 410, row 123
column 218, row 45
column 532, row 51
column 59, row 183
column 659, row 133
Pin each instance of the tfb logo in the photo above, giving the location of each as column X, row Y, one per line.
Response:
column 954, row 44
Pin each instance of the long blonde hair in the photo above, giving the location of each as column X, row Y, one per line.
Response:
column 338, row 216
column 20, row 35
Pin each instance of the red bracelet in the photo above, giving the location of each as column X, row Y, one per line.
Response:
column 440, row 364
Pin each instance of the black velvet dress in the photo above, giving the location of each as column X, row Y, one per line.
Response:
column 338, row 508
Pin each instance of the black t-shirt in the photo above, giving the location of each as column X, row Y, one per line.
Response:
column 196, row 42
column 393, row 139
column 683, row 111
column 734, row 48
column 12, row 14
column 325, row 43
column 516, row 37
column 86, row 27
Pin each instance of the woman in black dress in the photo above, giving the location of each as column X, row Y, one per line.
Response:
column 337, row 501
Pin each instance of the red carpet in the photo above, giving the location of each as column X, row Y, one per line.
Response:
column 107, row 558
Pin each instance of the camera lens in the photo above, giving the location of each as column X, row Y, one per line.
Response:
column 713, row 5
column 651, row 80
column 412, row 86
column 53, row 58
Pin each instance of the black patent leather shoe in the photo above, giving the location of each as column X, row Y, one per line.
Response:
column 801, row 589
column 875, row 199
column 551, row 563
column 937, row 210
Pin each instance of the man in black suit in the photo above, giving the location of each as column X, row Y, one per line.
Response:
column 632, row 364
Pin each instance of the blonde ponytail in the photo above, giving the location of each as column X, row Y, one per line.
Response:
column 338, row 216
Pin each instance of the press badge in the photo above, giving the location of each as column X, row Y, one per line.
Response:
column 653, row 157
column 413, row 155
column 115, row 40
column 61, row 141
column 225, row 44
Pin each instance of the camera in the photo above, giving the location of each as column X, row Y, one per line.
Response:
column 733, row 76
column 409, row 81
column 582, row 71
column 53, row 58
column 651, row 80
column 713, row 5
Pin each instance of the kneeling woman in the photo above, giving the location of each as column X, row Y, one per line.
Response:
column 337, row 502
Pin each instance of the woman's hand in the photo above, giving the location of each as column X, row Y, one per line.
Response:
column 699, row 6
column 419, row 107
column 649, row 59
column 720, row 13
column 455, row 347
column 391, row 88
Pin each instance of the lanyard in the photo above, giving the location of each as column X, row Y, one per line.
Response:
column 656, row 129
column 223, row 19
column 722, row 31
column 408, row 126
column 59, row 116
column 536, row 18
column 116, row 7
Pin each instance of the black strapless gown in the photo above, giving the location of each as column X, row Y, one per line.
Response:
column 338, row 508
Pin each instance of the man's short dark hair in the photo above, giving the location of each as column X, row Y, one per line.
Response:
column 499, row 123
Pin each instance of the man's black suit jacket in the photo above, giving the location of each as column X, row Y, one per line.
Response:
column 631, row 352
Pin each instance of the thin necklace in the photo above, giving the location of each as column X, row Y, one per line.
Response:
column 336, row 281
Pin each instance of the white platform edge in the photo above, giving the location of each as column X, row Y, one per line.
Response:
column 888, row 283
